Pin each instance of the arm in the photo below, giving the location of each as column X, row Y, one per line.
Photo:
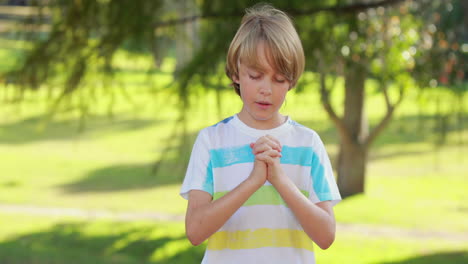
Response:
column 317, row 220
column 204, row 217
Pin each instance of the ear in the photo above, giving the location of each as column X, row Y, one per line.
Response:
column 235, row 78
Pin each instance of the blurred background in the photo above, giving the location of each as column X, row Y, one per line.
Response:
column 101, row 101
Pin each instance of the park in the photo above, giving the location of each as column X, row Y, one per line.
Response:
column 102, row 101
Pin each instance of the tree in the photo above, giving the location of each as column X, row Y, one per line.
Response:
column 381, row 40
column 376, row 41
column 366, row 44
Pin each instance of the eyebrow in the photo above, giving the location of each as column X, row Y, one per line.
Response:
column 276, row 74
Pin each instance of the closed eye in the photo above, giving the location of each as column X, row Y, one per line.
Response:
column 253, row 77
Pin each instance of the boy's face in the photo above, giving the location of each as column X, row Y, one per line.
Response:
column 262, row 92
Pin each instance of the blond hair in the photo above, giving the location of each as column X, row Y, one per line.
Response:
column 272, row 27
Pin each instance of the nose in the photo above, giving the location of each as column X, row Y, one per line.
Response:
column 265, row 88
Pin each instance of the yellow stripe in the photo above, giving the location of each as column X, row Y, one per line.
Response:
column 263, row 237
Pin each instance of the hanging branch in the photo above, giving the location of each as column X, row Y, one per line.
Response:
column 388, row 115
column 338, row 9
column 325, row 99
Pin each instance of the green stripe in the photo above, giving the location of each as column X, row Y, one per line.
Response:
column 266, row 195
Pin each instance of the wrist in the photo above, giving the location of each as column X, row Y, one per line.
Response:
column 254, row 182
column 279, row 179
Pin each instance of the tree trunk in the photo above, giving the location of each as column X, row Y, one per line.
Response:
column 352, row 157
column 351, row 169
column 186, row 36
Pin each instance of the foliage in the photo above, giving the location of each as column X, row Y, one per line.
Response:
column 442, row 52
column 84, row 38
column 415, row 204
column 85, row 35
column 391, row 41
column 109, row 165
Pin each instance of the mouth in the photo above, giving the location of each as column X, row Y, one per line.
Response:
column 263, row 104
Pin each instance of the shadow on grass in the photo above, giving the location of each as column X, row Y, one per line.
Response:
column 127, row 177
column 70, row 243
column 400, row 130
column 29, row 130
column 137, row 176
column 172, row 170
column 456, row 257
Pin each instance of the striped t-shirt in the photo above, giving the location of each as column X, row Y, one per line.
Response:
column 264, row 229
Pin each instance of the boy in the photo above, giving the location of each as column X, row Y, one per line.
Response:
column 259, row 185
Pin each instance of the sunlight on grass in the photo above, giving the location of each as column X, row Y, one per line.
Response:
column 54, row 240
column 356, row 248
column 127, row 155
column 46, row 239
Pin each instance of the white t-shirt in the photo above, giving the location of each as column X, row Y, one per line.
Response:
column 264, row 229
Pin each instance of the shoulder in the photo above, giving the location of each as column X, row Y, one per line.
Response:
column 224, row 121
column 306, row 137
column 210, row 133
column 218, row 127
column 304, row 132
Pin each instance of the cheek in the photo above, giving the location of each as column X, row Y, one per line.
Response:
column 246, row 86
column 280, row 97
column 244, row 90
column 282, row 91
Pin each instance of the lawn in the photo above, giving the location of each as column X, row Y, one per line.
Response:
column 25, row 239
column 415, row 187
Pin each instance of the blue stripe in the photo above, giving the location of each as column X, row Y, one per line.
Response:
column 303, row 156
column 229, row 156
column 294, row 123
column 225, row 121
column 297, row 155
column 319, row 180
column 208, row 184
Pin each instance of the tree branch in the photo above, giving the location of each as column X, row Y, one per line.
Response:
column 338, row 9
column 325, row 99
column 345, row 135
column 388, row 116
column 385, row 93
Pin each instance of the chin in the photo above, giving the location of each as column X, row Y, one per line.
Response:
column 262, row 118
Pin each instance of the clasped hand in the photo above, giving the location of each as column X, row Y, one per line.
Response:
column 267, row 151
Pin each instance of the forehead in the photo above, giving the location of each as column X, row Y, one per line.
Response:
column 259, row 58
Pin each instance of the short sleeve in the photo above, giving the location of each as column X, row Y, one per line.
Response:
column 199, row 175
column 323, row 187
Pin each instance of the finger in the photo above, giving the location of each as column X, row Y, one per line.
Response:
column 259, row 148
column 273, row 143
column 273, row 153
column 269, row 157
column 272, row 138
column 265, row 158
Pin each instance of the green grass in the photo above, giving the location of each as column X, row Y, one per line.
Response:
column 357, row 248
column 109, row 165
column 59, row 240
column 413, row 182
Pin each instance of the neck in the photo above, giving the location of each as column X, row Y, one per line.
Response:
column 270, row 123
